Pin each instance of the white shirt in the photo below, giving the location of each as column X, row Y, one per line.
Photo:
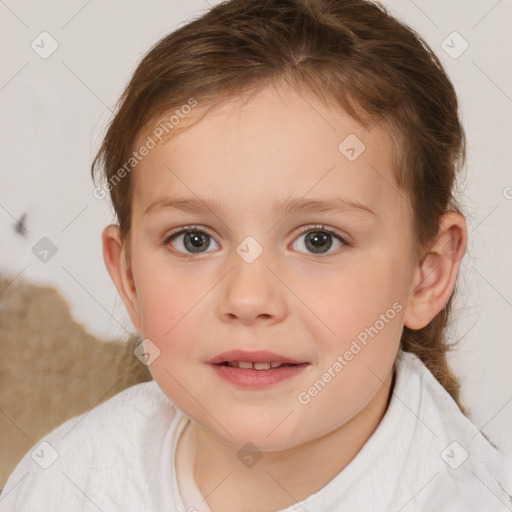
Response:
column 425, row 456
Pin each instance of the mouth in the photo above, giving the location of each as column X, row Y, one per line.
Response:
column 258, row 360
column 256, row 369
column 263, row 366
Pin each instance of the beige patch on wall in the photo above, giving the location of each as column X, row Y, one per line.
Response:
column 51, row 368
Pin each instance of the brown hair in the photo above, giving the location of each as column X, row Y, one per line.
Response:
column 348, row 53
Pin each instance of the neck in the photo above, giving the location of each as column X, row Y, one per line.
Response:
column 280, row 479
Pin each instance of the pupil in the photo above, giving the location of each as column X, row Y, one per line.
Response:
column 318, row 241
column 194, row 241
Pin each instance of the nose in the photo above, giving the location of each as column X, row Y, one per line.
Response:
column 251, row 294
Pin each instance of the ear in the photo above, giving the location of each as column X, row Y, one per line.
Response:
column 436, row 274
column 120, row 272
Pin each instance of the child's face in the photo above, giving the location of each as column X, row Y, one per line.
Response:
column 305, row 297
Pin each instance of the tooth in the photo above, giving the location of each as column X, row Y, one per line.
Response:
column 275, row 365
column 233, row 364
column 244, row 364
column 261, row 366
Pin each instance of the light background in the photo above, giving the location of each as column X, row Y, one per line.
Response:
column 54, row 111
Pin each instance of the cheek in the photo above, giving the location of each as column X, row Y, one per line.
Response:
column 355, row 301
column 164, row 298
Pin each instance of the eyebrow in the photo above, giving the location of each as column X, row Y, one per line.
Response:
column 291, row 205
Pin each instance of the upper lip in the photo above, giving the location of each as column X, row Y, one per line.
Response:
column 259, row 356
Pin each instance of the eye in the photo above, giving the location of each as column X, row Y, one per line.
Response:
column 319, row 240
column 190, row 241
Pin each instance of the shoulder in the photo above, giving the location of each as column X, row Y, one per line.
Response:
column 461, row 462
column 131, row 410
column 113, row 446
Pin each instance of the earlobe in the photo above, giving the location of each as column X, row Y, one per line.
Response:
column 436, row 274
column 120, row 272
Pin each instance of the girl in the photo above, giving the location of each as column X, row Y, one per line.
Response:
column 287, row 245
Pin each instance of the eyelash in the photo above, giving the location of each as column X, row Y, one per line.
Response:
column 305, row 229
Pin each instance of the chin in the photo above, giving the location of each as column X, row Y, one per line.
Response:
column 252, row 431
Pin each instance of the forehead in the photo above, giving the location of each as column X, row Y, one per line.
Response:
column 278, row 143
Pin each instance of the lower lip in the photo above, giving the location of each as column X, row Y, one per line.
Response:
column 251, row 378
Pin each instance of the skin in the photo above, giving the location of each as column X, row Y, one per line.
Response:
column 247, row 155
